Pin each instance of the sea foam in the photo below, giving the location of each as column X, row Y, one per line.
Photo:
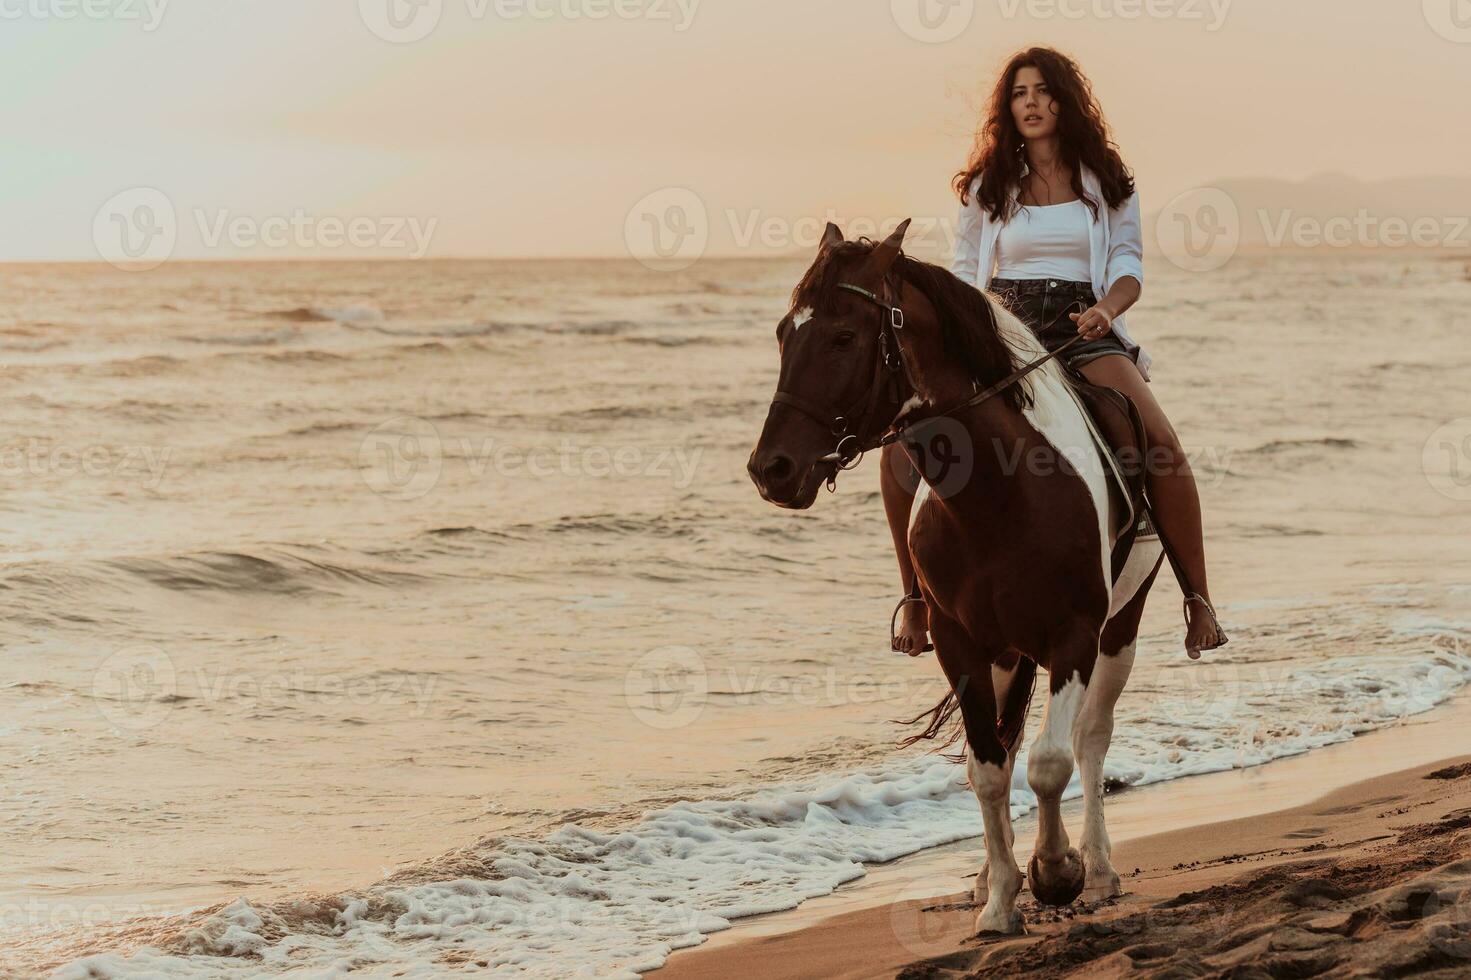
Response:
column 615, row 903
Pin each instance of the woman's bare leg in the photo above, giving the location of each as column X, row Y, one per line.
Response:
column 898, row 482
column 1172, row 488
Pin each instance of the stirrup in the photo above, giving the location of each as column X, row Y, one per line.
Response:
column 1221, row 638
column 893, row 627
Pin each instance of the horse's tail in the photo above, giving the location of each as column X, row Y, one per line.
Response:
column 944, row 726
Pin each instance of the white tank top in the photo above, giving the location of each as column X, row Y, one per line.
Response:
column 1046, row 242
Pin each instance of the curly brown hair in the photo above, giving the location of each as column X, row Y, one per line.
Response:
column 1083, row 135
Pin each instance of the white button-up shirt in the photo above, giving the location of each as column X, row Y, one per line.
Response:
column 1115, row 249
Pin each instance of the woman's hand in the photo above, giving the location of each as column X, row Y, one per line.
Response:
column 1094, row 322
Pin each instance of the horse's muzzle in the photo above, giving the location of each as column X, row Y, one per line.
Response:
column 781, row 481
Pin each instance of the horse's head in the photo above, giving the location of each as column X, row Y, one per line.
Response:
column 841, row 382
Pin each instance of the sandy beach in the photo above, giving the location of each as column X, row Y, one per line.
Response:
column 1371, row 877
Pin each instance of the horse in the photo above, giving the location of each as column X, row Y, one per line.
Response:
column 1017, row 558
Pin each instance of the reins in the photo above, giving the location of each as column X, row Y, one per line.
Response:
column 847, row 457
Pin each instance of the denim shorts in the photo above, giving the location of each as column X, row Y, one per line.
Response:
column 1044, row 304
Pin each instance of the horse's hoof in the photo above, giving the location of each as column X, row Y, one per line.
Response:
column 1058, row 883
column 1001, row 925
column 1104, row 886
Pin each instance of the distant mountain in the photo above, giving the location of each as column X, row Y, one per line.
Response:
column 1326, row 211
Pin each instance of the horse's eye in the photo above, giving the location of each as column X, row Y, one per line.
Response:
column 843, row 340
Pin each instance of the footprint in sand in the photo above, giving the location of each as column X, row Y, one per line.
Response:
column 1356, row 807
column 1306, row 833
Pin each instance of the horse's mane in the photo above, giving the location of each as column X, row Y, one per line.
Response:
column 968, row 324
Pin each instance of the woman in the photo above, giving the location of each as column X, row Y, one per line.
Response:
column 1049, row 205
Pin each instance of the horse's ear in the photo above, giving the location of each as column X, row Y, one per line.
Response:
column 831, row 235
column 884, row 254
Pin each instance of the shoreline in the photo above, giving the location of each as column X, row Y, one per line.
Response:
column 918, row 907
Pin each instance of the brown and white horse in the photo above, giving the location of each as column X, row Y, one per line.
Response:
column 1012, row 538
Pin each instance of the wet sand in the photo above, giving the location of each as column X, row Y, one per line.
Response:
column 1372, row 876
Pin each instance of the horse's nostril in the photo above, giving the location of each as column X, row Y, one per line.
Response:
column 777, row 469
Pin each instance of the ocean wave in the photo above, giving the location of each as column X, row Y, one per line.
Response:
column 99, row 586
column 259, row 338
column 328, row 314
column 31, row 346
column 1271, row 531
column 488, row 328
column 492, row 328
column 617, row 901
column 140, row 367
column 1278, row 446
column 273, row 573
column 652, row 525
column 672, row 410
column 686, row 340
column 1416, row 367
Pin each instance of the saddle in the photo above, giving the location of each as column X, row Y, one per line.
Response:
column 1118, row 431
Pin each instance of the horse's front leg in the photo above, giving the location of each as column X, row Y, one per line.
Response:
column 1095, row 732
column 987, row 767
column 1091, row 741
column 1002, row 679
column 1056, row 871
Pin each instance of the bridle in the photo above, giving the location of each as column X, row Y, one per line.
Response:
column 888, row 367
column 847, row 426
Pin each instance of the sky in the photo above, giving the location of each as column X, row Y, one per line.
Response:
column 461, row 128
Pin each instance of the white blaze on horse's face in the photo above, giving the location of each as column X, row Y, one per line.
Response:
column 800, row 317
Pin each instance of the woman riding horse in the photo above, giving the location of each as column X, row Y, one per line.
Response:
column 1049, row 222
